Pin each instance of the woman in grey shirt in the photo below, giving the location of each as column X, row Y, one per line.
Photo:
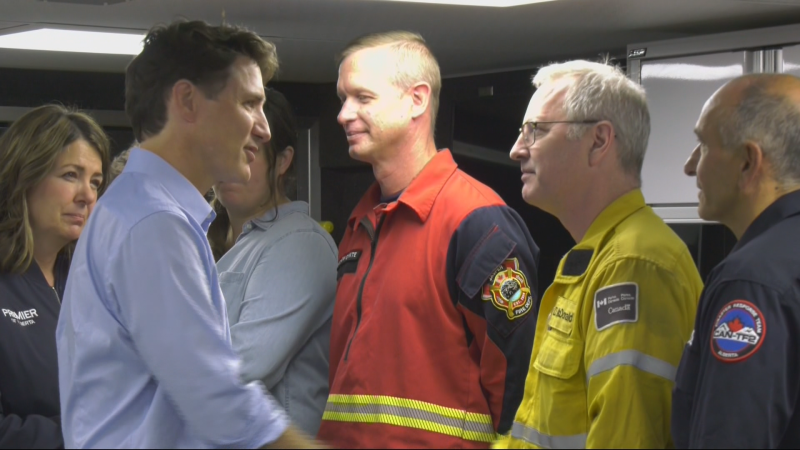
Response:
column 277, row 270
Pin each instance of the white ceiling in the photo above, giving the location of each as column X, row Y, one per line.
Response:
column 466, row 40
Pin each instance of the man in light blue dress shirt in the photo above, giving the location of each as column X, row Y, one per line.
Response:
column 144, row 347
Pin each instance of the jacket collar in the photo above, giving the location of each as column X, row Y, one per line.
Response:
column 580, row 258
column 419, row 196
column 782, row 208
column 610, row 217
column 60, row 271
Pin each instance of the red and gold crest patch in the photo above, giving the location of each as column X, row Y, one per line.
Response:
column 508, row 290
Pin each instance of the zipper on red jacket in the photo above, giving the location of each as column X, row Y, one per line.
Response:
column 374, row 244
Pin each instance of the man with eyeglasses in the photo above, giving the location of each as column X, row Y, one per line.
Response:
column 613, row 324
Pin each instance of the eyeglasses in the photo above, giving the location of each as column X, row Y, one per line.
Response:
column 528, row 130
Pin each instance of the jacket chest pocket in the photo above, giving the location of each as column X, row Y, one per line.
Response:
column 562, row 386
column 562, row 348
column 560, row 356
column 563, row 316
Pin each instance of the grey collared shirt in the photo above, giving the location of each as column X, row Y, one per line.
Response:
column 279, row 284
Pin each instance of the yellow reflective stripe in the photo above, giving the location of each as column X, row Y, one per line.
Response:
column 408, row 413
column 408, row 403
column 634, row 358
column 534, row 437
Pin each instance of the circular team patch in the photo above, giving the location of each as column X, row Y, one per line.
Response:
column 738, row 332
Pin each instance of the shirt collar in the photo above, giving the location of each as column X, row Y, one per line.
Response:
column 573, row 266
column 184, row 192
column 270, row 217
column 786, row 206
column 420, row 195
column 60, row 272
column 611, row 216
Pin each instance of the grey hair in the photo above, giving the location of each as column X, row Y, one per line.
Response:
column 771, row 120
column 601, row 91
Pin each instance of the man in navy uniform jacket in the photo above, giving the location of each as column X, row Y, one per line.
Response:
column 738, row 385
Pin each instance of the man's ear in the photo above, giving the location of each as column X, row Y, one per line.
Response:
column 284, row 159
column 753, row 166
column 421, row 96
column 602, row 139
column 183, row 100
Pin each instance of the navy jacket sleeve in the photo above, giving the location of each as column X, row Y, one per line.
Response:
column 491, row 270
column 739, row 380
column 30, row 432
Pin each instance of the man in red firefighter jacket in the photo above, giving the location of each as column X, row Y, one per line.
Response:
column 437, row 299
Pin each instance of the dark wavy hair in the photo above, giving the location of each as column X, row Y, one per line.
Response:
column 194, row 51
column 28, row 153
column 283, row 125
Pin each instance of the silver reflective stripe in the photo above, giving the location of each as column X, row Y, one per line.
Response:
column 410, row 413
column 531, row 436
column 633, row 358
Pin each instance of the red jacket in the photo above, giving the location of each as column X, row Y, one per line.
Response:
column 435, row 315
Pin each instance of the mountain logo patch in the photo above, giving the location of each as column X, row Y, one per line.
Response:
column 738, row 332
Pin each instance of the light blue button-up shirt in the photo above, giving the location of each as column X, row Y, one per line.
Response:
column 279, row 282
column 144, row 349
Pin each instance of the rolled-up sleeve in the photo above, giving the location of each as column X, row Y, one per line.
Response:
column 164, row 291
column 288, row 293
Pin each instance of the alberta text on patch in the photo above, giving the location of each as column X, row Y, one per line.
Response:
column 739, row 331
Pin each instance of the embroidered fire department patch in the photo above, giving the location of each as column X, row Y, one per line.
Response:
column 508, row 290
column 739, row 331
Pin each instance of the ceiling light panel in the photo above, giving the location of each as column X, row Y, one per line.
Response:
column 494, row 3
column 55, row 40
column 87, row 2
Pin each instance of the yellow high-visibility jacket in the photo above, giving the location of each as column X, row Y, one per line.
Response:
column 610, row 335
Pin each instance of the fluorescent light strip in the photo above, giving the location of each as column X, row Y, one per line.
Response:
column 495, row 3
column 681, row 71
column 54, row 40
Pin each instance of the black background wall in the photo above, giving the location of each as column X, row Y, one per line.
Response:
column 484, row 110
column 106, row 91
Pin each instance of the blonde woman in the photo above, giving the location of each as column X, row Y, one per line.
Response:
column 52, row 162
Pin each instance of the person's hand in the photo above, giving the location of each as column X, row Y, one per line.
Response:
column 294, row 438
